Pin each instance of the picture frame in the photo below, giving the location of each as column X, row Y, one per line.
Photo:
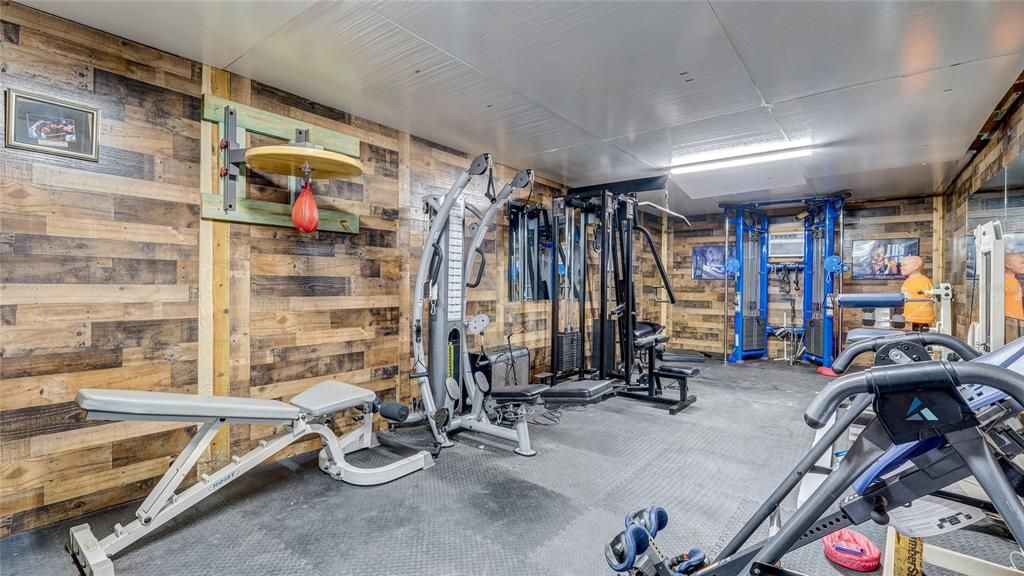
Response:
column 880, row 259
column 708, row 262
column 51, row 126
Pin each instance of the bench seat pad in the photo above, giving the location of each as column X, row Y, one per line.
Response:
column 331, row 396
column 677, row 371
column 527, row 393
column 169, row 404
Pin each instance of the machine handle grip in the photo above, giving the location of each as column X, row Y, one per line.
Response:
column 851, row 352
column 480, row 270
column 952, row 343
column 958, row 346
column 665, row 280
column 916, row 376
column 435, row 263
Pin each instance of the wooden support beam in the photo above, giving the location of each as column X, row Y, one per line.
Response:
column 276, row 125
column 405, row 389
column 219, row 289
column 938, row 240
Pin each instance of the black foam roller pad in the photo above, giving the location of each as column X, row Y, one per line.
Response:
column 394, row 411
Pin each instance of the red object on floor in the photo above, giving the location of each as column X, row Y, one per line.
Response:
column 304, row 213
column 825, row 371
column 852, row 550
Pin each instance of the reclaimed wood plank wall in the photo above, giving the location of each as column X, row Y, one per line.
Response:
column 99, row 270
column 109, row 278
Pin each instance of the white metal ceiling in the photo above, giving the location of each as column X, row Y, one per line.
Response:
column 890, row 93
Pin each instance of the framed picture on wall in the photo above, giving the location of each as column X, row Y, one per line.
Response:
column 708, row 262
column 880, row 259
column 43, row 124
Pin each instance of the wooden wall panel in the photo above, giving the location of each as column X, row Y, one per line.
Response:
column 109, row 277
column 698, row 315
column 98, row 270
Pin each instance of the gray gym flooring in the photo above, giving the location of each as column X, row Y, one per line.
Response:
column 483, row 510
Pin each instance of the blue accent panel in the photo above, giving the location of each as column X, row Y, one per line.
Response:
column 893, row 459
column 914, row 405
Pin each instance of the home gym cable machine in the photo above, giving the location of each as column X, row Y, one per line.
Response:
column 748, row 266
column 613, row 212
column 443, row 368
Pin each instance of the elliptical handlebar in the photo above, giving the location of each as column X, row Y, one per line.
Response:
column 851, row 352
column 916, row 376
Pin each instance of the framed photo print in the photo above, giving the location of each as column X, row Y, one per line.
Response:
column 44, row 124
column 880, row 259
column 708, row 262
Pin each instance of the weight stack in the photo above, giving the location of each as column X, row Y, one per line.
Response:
column 609, row 344
column 814, row 337
column 753, row 333
column 568, row 351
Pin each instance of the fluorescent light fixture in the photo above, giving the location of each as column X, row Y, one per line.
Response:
column 740, row 150
column 742, row 161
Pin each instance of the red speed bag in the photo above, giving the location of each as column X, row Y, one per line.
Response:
column 304, row 213
column 852, row 550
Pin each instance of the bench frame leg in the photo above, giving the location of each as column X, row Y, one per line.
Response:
column 654, row 393
column 163, row 503
column 478, row 421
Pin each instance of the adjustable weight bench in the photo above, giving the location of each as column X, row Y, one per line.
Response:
column 307, row 413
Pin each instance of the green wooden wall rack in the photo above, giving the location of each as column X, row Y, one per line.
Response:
column 234, row 120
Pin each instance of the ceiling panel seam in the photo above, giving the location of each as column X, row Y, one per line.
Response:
column 512, row 90
column 867, row 83
column 271, row 33
column 760, row 97
column 746, row 69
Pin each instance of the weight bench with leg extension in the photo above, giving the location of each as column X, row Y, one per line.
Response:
column 648, row 337
column 307, row 413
